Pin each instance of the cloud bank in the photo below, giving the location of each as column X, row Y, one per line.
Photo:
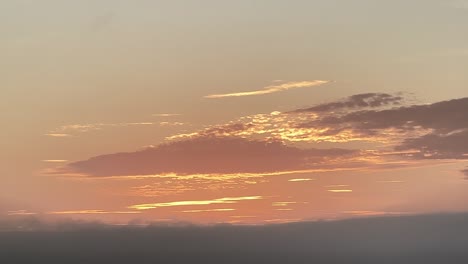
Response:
column 406, row 239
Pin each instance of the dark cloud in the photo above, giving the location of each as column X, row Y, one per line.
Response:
column 357, row 101
column 205, row 155
column 451, row 146
column 407, row 239
column 443, row 116
column 440, row 130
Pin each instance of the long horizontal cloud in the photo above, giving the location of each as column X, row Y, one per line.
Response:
column 205, row 155
column 226, row 200
column 272, row 89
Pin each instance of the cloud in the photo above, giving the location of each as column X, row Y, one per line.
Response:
column 69, row 130
column 20, row 213
column 272, row 89
column 55, row 161
column 442, row 116
column 465, row 171
column 227, row 200
column 435, row 146
column 209, row 210
column 357, row 101
column 301, row 180
column 428, row 239
column 58, row 135
column 166, row 115
column 205, row 155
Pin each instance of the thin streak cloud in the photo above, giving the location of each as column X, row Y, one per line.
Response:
column 228, row 200
column 209, row 210
column 272, row 89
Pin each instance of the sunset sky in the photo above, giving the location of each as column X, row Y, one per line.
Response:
column 243, row 112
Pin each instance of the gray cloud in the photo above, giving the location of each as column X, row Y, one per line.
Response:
column 451, row 146
column 443, row 116
column 357, row 101
column 442, row 127
column 205, row 155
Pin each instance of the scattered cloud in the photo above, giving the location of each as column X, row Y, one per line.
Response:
column 272, row 89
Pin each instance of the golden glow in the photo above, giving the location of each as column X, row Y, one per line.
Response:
column 272, row 89
column 228, row 200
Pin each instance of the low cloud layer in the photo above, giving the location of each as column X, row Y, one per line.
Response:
column 405, row 239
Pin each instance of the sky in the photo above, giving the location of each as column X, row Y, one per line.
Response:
column 243, row 112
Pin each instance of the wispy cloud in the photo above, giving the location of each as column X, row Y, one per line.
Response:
column 227, row 200
column 272, row 89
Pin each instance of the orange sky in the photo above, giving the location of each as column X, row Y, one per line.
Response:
column 245, row 112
